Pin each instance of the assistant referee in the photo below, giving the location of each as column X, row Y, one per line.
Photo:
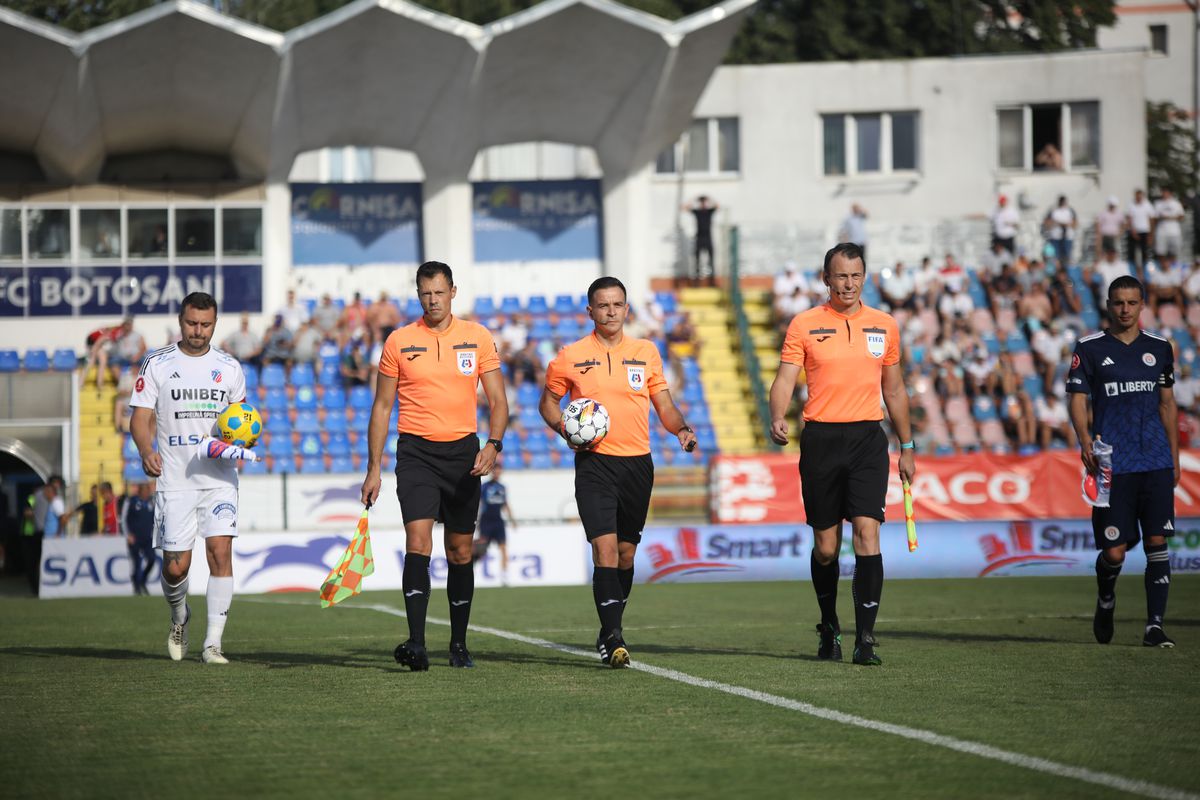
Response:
column 847, row 351
column 433, row 368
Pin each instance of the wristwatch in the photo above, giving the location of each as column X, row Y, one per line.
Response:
column 496, row 443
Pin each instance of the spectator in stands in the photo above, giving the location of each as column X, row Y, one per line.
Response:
column 354, row 318
column 121, row 413
column 995, row 260
column 109, row 511
column 787, row 307
column 1191, row 285
column 513, row 335
column 1054, row 422
column 1065, row 302
column 1110, row 225
column 306, row 344
column 1005, row 220
column 1187, row 388
column 1107, row 270
column 788, row 280
column 128, row 349
column 383, row 317
column 1048, row 349
column 89, row 513
column 955, row 302
column 981, row 372
column 1164, row 283
column 277, row 343
column 1004, row 291
column 681, row 339
column 1140, row 226
column 356, row 366
column 854, row 228
column 244, row 345
column 1048, row 158
column 927, row 284
column 899, row 288
column 1019, row 419
column 1168, row 228
column 326, row 316
column 703, row 210
column 294, row 314
column 1035, row 305
column 1059, row 228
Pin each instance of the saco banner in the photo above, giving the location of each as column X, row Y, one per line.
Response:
column 538, row 220
column 978, row 486
column 356, row 223
column 947, row 550
column 98, row 566
column 63, row 291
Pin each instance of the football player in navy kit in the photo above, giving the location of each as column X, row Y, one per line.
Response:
column 1128, row 374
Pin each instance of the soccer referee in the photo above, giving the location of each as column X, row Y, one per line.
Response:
column 847, row 351
column 1128, row 373
column 433, row 367
column 613, row 481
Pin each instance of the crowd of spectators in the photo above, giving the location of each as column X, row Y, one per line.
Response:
column 986, row 346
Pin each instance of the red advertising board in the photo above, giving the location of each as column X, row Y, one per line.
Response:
column 766, row 489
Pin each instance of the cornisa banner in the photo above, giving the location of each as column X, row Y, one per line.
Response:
column 115, row 290
column 356, row 223
column 947, row 550
column 538, row 220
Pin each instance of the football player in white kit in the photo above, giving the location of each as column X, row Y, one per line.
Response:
column 182, row 388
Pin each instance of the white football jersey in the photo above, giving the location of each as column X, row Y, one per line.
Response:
column 186, row 394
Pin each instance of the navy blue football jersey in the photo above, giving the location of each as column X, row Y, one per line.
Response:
column 492, row 500
column 1124, row 382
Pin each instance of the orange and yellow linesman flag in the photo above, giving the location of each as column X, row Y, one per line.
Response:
column 909, row 522
column 345, row 580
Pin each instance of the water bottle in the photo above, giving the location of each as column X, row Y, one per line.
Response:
column 1098, row 488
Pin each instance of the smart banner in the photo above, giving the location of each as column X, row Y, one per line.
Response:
column 948, row 550
column 98, row 566
column 115, row 290
column 758, row 489
column 356, row 223
column 538, row 220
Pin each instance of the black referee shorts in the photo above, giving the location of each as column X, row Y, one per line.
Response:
column 434, row 481
column 1138, row 499
column 843, row 471
column 613, row 494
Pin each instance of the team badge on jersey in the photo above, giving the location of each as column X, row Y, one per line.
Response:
column 1148, row 359
column 637, row 378
column 466, row 362
column 216, row 376
column 876, row 344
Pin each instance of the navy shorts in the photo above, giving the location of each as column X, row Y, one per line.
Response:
column 434, row 481
column 843, row 471
column 1140, row 503
column 613, row 494
column 493, row 532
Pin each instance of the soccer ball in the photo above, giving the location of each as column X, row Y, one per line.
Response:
column 240, row 424
column 585, row 423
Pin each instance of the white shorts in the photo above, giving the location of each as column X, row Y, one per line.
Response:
column 179, row 516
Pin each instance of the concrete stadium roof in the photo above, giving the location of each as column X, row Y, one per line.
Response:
column 182, row 77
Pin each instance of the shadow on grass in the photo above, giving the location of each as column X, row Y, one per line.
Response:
column 103, row 653
column 357, row 659
column 484, row 657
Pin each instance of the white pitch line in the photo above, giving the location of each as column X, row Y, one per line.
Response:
column 1143, row 788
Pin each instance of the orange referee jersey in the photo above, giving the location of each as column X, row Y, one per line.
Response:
column 622, row 378
column 843, row 359
column 437, row 374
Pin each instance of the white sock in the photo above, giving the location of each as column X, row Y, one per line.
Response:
column 220, row 597
column 176, row 598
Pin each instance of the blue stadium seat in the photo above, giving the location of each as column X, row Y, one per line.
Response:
column 313, row 465
column 280, row 447
column 991, row 342
column 943, row 450
column 338, row 445
column 310, row 445
column 698, row 415
column 706, row 437
column 361, row 399
column 335, row 398
column 510, row 304
column 10, row 361
column 305, row 399
column 1033, row 386
column 335, row 421
column 692, row 394
column 306, row 422
column 1016, row 342
column 537, row 305
column 984, row 408
column 484, row 306
column 528, row 394
column 276, row 401
column 541, row 329
column 566, row 330
column 273, row 376
column 412, row 309
column 540, row 460
column 666, row 456
column 359, row 421
column 254, row 467
column 342, row 464
column 132, row 472
column 251, row 373
column 667, row 301
column 302, row 375
column 563, row 304
column 361, row 447
column 530, row 418
column 277, row 424
column 536, row 443
column 37, row 361
column 64, row 360
column 129, row 450
column 329, row 374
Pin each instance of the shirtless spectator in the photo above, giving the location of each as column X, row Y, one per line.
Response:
column 326, row 316
column 382, row 318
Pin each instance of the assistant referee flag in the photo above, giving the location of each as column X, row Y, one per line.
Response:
column 357, row 562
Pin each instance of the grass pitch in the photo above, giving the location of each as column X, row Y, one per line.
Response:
column 314, row 706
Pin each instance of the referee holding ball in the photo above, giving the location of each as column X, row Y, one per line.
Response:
column 848, row 352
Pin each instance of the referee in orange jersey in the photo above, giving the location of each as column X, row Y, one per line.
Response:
column 433, row 367
column 614, row 480
column 848, row 352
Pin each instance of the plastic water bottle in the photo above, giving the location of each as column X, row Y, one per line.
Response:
column 1097, row 489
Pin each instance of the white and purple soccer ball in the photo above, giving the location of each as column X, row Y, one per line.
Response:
column 585, row 423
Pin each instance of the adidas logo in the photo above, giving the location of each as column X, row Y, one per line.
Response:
column 1107, row 362
column 1168, row 526
column 175, row 376
column 1164, row 579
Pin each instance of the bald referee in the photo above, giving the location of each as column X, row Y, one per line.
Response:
column 848, row 353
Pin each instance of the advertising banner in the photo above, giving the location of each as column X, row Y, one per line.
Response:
column 114, row 291
column 98, row 566
column 755, row 489
column 947, row 550
column 538, row 220
column 356, row 223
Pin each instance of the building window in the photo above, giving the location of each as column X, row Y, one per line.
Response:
column 1158, row 39
column 711, row 146
column 347, row 165
column 195, row 232
column 1054, row 137
column 147, row 232
column 10, row 234
column 49, row 233
column 874, row 143
column 100, row 232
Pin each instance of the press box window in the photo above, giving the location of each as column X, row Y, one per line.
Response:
column 195, row 232
column 10, row 234
column 100, row 232
column 148, row 232
column 241, row 231
column 49, row 233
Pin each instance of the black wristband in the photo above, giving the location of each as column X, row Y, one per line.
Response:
column 683, row 428
column 496, row 443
